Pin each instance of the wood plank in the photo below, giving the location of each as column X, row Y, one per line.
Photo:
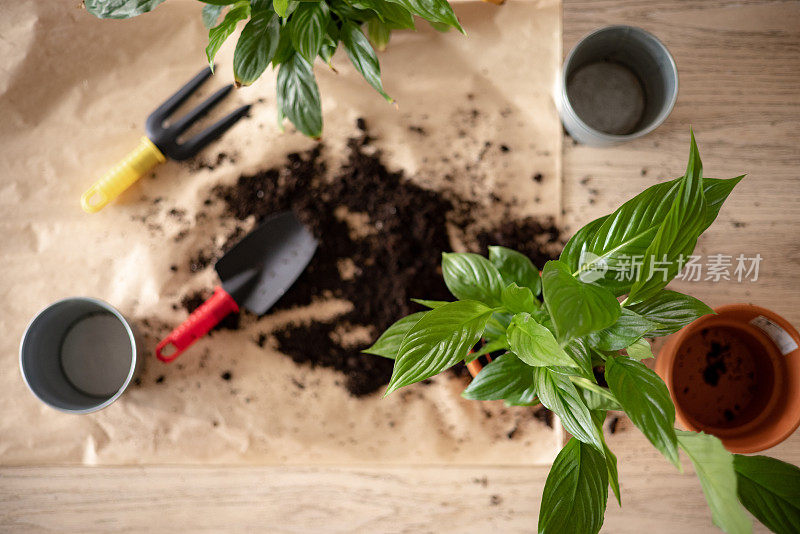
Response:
column 740, row 69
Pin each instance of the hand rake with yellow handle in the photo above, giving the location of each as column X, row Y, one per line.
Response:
column 161, row 142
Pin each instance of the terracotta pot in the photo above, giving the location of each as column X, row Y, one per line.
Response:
column 735, row 375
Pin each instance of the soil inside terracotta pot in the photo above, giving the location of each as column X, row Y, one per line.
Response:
column 722, row 377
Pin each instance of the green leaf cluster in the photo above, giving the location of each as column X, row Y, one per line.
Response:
column 290, row 35
column 549, row 332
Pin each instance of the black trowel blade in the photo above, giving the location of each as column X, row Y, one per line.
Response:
column 262, row 266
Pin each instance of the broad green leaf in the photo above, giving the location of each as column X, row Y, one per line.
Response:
column 285, row 49
column 645, row 398
column 714, row 467
column 362, row 56
column 308, row 28
column 575, row 251
column 438, row 341
column 119, row 9
column 256, row 46
column 595, row 396
column 575, row 492
column 580, row 354
column 677, row 234
column 518, row 299
column 523, row 398
column 497, row 325
column 535, row 344
column 439, row 27
column 220, row 33
column 293, row 5
column 558, row 394
column 619, row 240
column 430, row 303
column 298, row 96
column 281, row 7
column 505, row 376
column 576, row 308
column 672, row 310
column 472, row 277
column 330, row 42
column 395, row 16
column 516, row 267
column 379, row 34
column 629, row 328
column 770, row 490
column 640, row 350
column 614, row 241
column 490, row 347
column 211, row 14
column 432, row 10
column 716, row 192
column 344, row 10
column 388, row 344
column 613, row 472
column 599, row 417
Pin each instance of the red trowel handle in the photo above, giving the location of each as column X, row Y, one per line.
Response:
column 203, row 319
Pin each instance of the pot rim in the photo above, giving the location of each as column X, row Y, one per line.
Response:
column 665, row 361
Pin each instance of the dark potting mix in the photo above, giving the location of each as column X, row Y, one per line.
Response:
column 727, row 378
column 380, row 236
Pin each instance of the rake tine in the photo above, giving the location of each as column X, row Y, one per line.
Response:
column 157, row 118
column 196, row 143
column 180, row 125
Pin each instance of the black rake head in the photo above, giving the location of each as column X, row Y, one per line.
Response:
column 166, row 138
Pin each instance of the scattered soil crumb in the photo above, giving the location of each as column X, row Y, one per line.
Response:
column 198, row 164
column 544, row 415
column 495, row 500
column 226, row 376
column 200, row 261
column 612, row 425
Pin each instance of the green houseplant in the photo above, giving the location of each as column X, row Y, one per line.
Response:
column 291, row 34
column 554, row 329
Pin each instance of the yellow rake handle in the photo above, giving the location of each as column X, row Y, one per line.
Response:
column 143, row 158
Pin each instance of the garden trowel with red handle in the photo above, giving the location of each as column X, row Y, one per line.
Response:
column 255, row 274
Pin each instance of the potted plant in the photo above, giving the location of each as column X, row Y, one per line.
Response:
column 553, row 329
column 291, row 34
column 736, row 374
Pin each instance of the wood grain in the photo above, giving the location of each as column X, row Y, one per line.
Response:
column 739, row 73
column 739, row 66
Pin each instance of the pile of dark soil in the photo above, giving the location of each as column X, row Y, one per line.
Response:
column 380, row 243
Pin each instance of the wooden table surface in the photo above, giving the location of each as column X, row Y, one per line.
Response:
column 739, row 65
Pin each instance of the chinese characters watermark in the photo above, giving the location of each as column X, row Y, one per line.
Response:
column 693, row 268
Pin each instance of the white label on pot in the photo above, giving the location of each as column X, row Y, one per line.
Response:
column 781, row 337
